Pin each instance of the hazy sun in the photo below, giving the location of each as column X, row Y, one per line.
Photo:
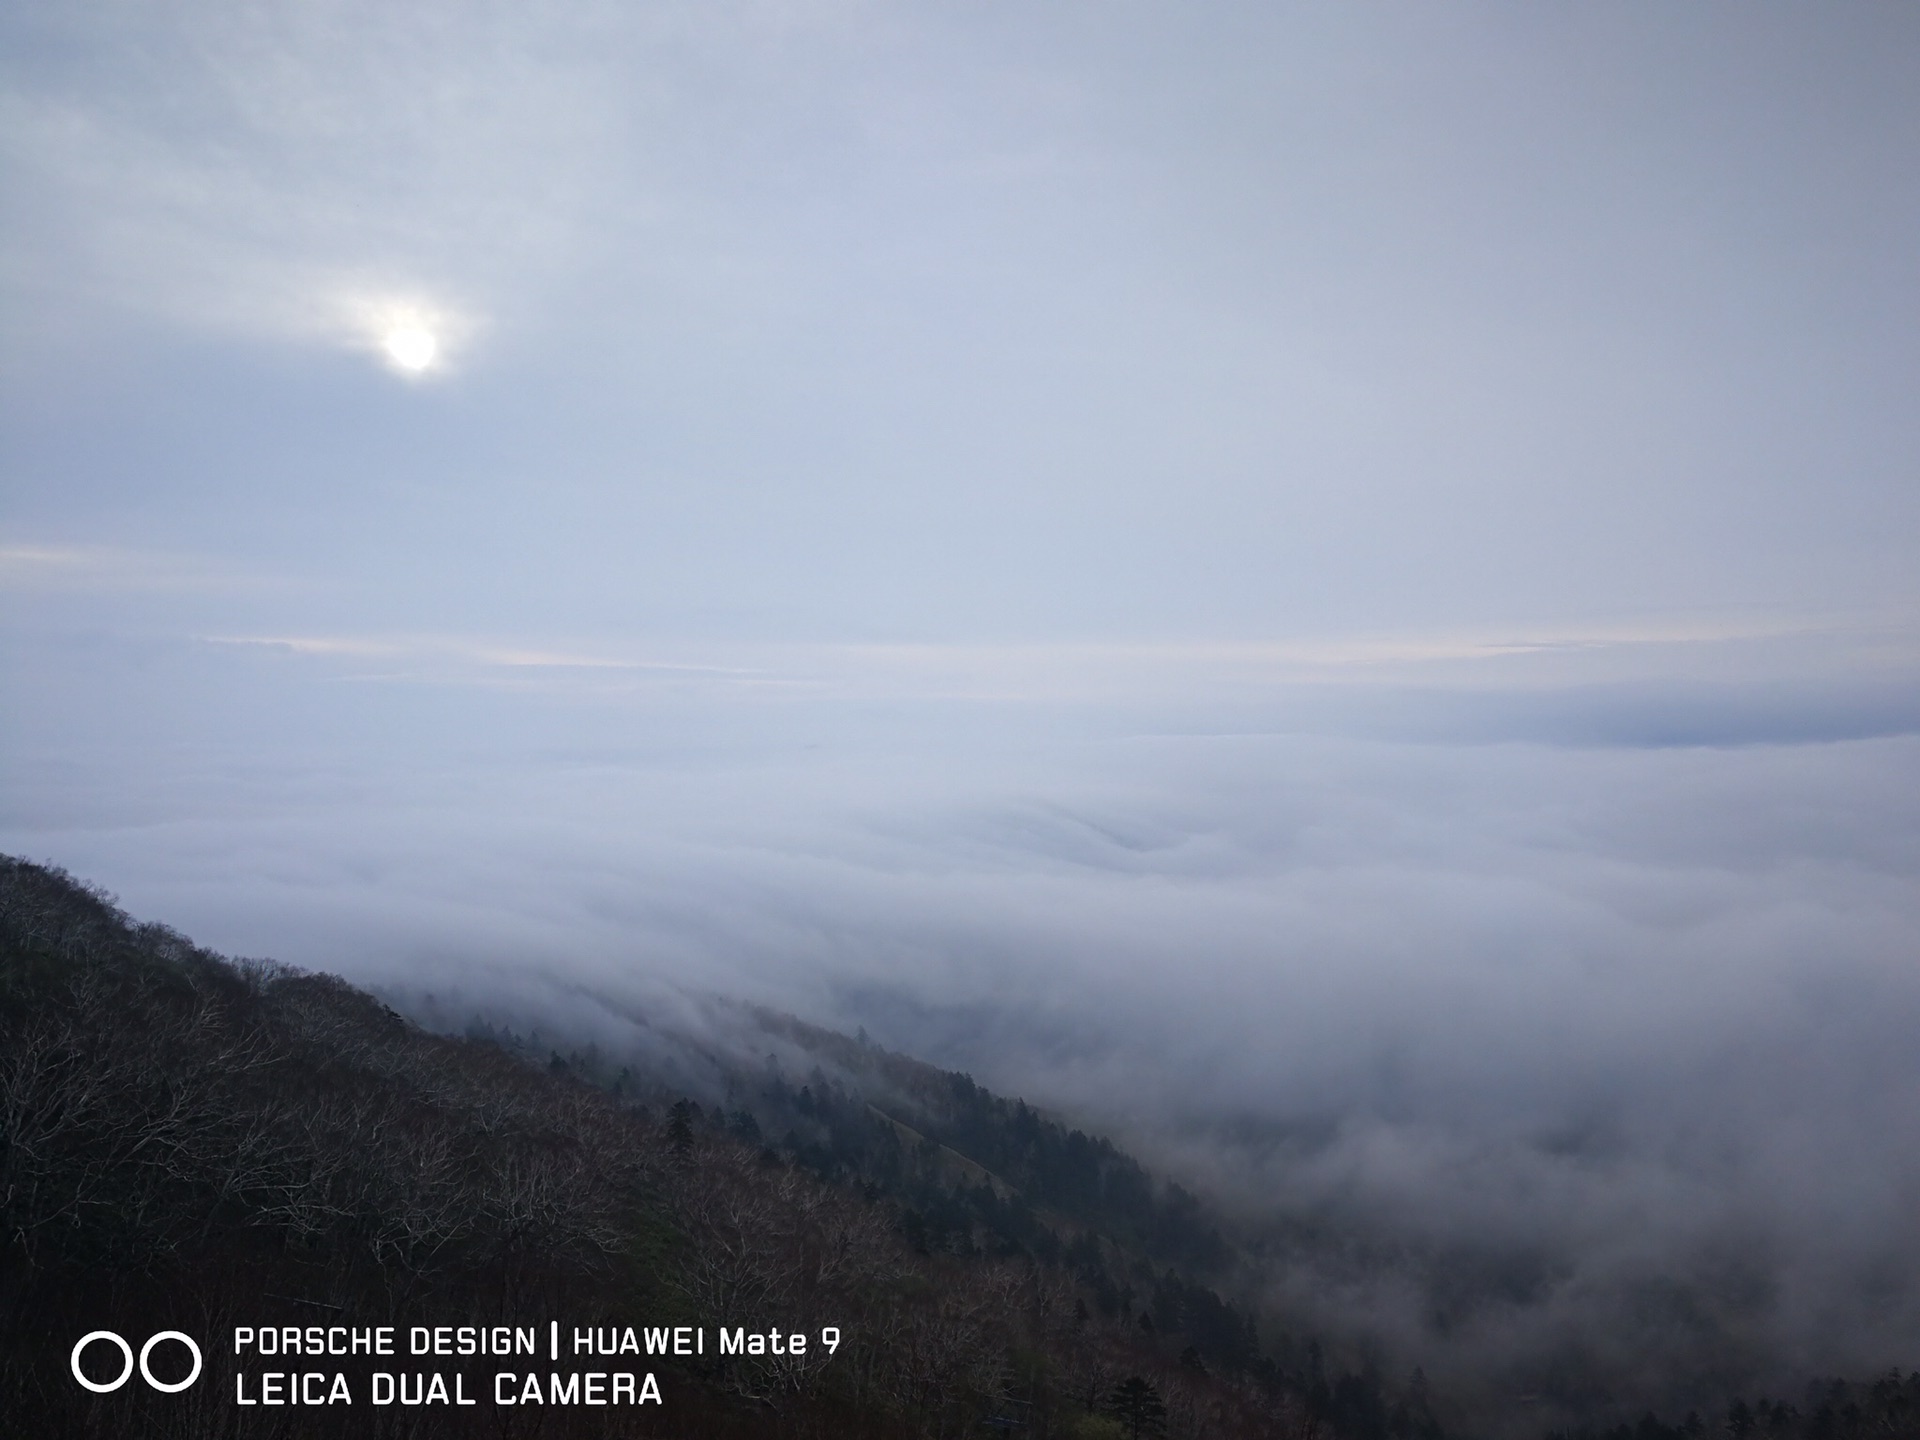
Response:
column 410, row 348
column 415, row 335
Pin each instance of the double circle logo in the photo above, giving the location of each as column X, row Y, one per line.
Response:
column 100, row 1387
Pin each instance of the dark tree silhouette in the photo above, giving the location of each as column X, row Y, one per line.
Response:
column 680, row 1128
column 1136, row 1403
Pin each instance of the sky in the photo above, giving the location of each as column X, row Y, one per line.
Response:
column 1249, row 572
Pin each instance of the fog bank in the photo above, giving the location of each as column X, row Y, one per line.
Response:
column 1521, row 1049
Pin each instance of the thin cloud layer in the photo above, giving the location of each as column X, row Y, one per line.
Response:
column 306, row 173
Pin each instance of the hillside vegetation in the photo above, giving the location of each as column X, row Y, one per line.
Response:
column 193, row 1143
column 197, row 1143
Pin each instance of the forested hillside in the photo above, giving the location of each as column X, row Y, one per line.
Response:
column 194, row 1143
column 970, row 1169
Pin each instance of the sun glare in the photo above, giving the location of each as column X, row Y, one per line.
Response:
column 410, row 349
column 411, row 334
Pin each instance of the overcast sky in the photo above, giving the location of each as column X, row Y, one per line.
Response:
column 968, row 322
column 1232, row 562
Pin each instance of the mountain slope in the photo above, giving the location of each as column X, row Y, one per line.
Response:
column 196, row 1144
column 190, row 1143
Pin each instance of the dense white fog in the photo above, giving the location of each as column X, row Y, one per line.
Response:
column 1520, row 1035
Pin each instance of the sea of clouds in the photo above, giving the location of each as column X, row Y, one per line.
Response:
column 1539, row 1018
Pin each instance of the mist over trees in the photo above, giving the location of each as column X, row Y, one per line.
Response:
column 1208, row 715
column 206, row 1142
column 189, row 1137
